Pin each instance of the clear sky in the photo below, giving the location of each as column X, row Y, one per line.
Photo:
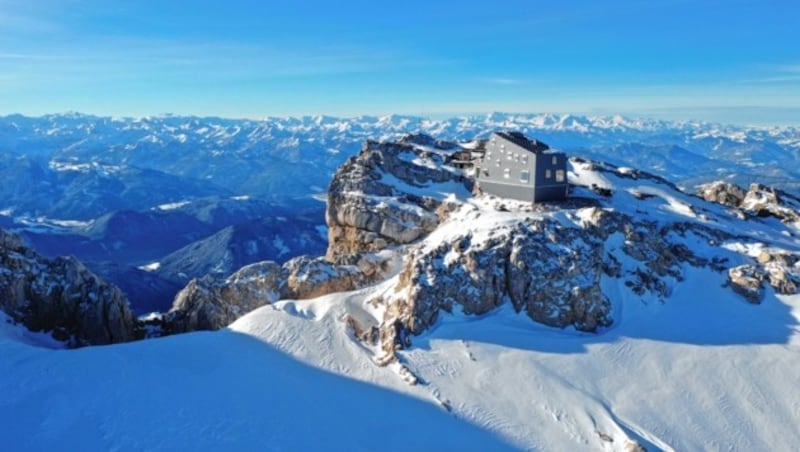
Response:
column 732, row 60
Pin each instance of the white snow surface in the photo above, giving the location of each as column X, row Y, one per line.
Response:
column 172, row 205
column 208, row 391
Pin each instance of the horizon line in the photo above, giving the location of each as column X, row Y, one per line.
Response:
column 655, row 114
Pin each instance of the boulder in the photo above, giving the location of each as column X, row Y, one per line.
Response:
column 722, row 193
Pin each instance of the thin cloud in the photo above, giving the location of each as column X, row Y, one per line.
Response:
column 33, row 57
column 775, row 73
column 774, row 79
column 142, row 59
column 504, row 81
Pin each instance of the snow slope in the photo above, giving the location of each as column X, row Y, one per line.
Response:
column 703, row 371
column 213, row 391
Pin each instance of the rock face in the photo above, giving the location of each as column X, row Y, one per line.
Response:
column 387, row 194
column 530, row 265
column 61, row 296
column 210, row 304
column 550, row 272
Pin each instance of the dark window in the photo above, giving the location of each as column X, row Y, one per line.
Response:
column 525, row 176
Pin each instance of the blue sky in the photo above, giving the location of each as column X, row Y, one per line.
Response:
column 734, row 60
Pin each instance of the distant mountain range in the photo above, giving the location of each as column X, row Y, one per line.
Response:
column 93, row 165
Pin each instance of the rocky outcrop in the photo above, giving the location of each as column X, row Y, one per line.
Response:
column 759, row 200
column 61, row 296
column 210, row 304
column 765, row 201
column 529, row 266
column 746, row 280
column 723, row 193
column 469, row 255
column 782, row 270
column 551, row 273
column 777, row 268
column 387, row 194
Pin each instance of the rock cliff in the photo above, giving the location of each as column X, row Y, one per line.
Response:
column 561, row 264
column 388, row 194
column 61, row 296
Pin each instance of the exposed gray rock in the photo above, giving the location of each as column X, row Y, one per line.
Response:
column 210, row 304
column 550, row 272
column 722, row 193
column 61, row 296
column 379, row 199
column 746, row 280
column 781, row 270
column 758, row 200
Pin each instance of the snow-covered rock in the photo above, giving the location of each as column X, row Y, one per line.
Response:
column 758, row 200
column 472, row 255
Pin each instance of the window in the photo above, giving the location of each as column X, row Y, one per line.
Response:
column 560, row 175
column 516, row 157
column 548, row 174
column 489, row 155
column 525, row 176
column 507, row 173
column 510, row 156
column 555, row 160
column 525, row 159
column 497, row 162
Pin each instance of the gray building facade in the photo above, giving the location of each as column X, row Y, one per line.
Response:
column 514, row 166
